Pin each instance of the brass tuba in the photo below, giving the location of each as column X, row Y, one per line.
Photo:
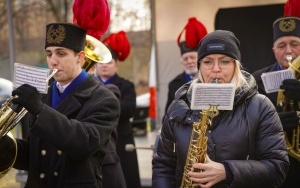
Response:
column 292, row 144
column 10, row 115
column 95, row 52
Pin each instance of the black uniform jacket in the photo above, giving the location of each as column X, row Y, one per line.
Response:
column 249, row 139
column 292, row 179
column 128, row 104
column 173, row 86
column 113, row 176
column 129, row 160
column 66, row 146
column 261, row 88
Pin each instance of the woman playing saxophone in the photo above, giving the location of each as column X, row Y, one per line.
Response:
column 245, row 146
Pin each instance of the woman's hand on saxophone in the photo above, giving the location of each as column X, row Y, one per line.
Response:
column 207, row 174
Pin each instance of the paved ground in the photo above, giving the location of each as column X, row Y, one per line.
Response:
column 144, row 157
column 9, row 180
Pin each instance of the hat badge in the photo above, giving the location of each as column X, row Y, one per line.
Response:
column 287, row 25
column 56, row 35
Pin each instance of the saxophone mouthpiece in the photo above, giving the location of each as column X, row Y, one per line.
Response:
column 215, row 81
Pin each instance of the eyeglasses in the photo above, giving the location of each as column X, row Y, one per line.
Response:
column 208, row 64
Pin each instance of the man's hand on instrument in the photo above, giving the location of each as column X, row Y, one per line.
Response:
column 289, row 120
column 291, row 88
column 28, row 97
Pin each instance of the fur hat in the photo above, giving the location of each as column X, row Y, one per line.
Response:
column 286, row 26
column 289, row 23
column 219, row 42
column 65, row 35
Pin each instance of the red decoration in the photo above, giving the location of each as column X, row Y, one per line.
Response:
column 92, row 15
column 194, row 32
column 292, row 8
column 119, row 43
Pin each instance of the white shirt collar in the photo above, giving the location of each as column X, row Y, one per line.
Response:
column 60, row 88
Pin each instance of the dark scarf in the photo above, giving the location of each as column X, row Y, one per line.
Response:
column 58, row 97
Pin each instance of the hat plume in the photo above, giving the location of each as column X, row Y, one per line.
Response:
column 292, row 8
column 119, row 43
column 194, row 32
column 92, row 15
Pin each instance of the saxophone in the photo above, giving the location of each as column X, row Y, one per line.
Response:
column 198, row 144
column 292, row 144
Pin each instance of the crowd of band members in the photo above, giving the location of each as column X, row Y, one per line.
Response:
column 92, row 116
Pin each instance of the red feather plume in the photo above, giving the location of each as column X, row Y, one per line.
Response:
column 194, row 32
column 118, row 42
column 292, row 8
column 92, row 15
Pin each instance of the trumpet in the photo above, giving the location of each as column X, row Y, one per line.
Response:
column 10, row 115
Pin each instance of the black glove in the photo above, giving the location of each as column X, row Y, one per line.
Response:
column 289, row 120
column 291, row 89
column 29, row 98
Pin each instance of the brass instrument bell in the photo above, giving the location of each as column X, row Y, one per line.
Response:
column 95, row 52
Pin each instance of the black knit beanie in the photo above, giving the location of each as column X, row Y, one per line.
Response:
column 219, row 42
column 286, row 26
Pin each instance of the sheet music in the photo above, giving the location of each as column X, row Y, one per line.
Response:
column 273, row 80
column 34, row 76
column 206, row 94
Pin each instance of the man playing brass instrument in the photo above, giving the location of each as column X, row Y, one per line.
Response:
column 245, row 146
column 70, row 127
column 286, row 35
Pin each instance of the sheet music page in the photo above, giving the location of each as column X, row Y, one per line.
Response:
column 273, row 80
column 34, row 76
column 206, row 94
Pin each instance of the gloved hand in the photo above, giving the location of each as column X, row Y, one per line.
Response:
column 291, row 89
column 29, row 98
column 289, row 120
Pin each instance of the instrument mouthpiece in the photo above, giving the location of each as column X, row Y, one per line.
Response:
column 51, row 75
column 215, row 81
